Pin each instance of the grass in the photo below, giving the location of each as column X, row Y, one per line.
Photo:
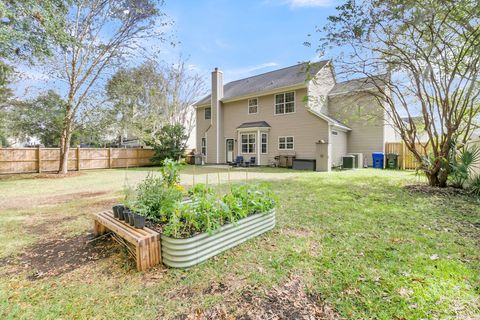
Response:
column 368, row 247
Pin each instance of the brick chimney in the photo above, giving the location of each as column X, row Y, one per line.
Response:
column 217, row 123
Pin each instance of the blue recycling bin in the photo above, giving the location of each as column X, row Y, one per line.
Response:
column 378, row 158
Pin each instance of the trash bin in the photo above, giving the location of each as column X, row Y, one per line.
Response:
column 392, row 161
column 378, row 160
column 199, row 159
column 348, row 162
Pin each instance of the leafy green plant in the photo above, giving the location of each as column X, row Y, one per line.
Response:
column 200, row 188
column 207, row 211
column 461, row 165
column 475, row 186
column 171, row 172
column 253, row 198
column 155, row 199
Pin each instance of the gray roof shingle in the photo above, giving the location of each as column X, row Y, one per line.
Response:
column 354, row 85
column 286, row 77
column 254, row 124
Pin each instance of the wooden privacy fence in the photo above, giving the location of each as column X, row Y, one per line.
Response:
column 406, row 159
column 28, row 160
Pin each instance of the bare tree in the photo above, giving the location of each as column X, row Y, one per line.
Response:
column 182, row 88
column 422, row 58
column 147, row 97
column 106, row 32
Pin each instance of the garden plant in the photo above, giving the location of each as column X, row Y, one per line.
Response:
column 182, row 213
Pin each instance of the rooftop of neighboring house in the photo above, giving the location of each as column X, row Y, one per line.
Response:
column 359, row 84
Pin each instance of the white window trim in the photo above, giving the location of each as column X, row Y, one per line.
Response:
column 293, row 142
column 248, row 142
column 275, row 103
column 248, row 106
column 261, row 143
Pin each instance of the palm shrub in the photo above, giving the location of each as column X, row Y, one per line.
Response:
column 475, row 186
column 461, row 164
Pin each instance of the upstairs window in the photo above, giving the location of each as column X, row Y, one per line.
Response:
column 285, row 103
column 208, row 113
column 252, row 106
column 285, row 143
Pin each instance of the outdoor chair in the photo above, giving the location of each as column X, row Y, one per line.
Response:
column 252, row 162
column 238, row 162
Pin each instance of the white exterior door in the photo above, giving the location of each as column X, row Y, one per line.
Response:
column 229, row 147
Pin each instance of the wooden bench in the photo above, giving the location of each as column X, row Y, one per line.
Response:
column 145, row 242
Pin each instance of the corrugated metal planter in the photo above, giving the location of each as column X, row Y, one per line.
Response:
column 184, row 253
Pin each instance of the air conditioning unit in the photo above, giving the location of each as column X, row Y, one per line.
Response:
column 348, row 162
column 358, row 162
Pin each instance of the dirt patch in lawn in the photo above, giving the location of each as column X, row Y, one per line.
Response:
column 54, row 175
column 298, row 232
column 53, row 200
column 57, row 256
column 289, row 301
column 42, row 228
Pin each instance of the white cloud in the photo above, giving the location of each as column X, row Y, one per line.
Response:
column 222, row 44
column 238, row 73
column 301, row 3
column 310, row 3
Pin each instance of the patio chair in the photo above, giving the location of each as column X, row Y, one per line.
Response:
column 238, row 162
column 252, row 162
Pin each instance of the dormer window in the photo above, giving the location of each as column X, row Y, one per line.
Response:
column 252, row 106
column 285, row 103
column 208, row 113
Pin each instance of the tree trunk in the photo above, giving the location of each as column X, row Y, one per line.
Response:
column 65, row 147
column 437, row 177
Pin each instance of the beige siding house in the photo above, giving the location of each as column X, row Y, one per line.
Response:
column 294, row 111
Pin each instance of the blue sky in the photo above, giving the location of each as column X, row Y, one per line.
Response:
column 246, row 37
column 241, row 37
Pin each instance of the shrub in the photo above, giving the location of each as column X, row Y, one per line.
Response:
column 171, row 145
column 461, row 166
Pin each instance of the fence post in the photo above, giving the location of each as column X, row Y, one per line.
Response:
column 39, row 160
column 404, row 155
column 78, row 158
column 109, row 158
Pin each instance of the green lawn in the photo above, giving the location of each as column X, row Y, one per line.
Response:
column 358, row 241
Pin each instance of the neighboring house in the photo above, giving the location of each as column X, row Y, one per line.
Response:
column 291, row 111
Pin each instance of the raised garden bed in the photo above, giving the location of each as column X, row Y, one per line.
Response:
column 187, row 252
column 198, row 223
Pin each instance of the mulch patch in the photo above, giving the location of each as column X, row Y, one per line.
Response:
column 435, row 191
column 57, row 256
column 289, row 301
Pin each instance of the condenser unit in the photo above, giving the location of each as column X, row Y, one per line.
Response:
column 358, row 162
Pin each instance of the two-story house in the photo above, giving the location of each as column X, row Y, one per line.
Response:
column 295, row 111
